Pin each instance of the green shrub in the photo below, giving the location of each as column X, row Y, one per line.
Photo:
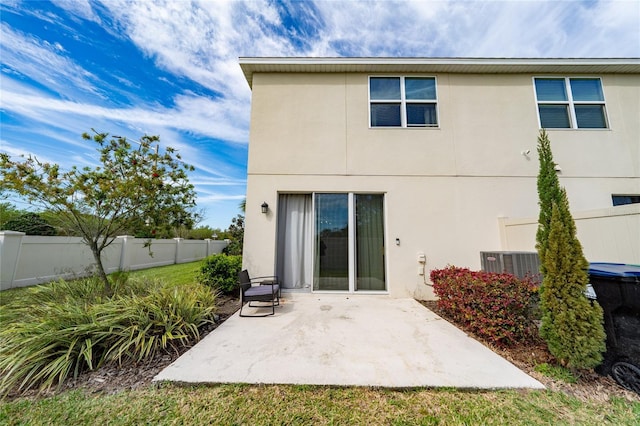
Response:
column 220, row 272
column 56, row 331
column 493, row 306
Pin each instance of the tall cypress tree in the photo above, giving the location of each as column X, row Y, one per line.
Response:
column 548, row 193
column 571, row 325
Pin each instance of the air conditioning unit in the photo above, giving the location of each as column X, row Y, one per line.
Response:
column 518, row 263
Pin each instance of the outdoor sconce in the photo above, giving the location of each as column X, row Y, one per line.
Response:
column 265, row 207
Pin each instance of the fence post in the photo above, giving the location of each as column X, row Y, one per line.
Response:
column 502, row 228
column 178, row 249
column 125, row 257
column 10, row 245
column 208, row 242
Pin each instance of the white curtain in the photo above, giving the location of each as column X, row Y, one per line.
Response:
column 370, row 242
column 295, row 236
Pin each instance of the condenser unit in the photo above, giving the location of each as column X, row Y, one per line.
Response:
column 518, row 263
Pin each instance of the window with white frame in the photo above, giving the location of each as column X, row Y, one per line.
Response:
column 403, row 102
column 570, row 103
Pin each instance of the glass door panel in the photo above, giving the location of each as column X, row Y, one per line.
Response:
column 331, row 270
column 369, row 224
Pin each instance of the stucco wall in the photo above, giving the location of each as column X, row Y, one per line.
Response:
column 606, row 235
column 444, row 187
column 318, row 124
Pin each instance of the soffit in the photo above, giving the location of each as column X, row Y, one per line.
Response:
column 439, row 65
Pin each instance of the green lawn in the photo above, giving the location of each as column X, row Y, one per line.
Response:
column 182, row 273
column 316, row 405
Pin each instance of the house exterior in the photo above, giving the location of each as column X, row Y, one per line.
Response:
column 371, row 172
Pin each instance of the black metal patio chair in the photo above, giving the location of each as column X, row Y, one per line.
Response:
column 259, row 289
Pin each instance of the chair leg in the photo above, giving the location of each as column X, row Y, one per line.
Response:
column 241, row 303
column 273, row 309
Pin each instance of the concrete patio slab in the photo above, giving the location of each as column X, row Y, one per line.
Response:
column 345, row 340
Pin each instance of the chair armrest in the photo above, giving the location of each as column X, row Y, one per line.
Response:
column 267, row 280
column 258, row 282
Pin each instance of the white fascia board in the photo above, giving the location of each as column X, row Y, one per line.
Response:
column 250, row 65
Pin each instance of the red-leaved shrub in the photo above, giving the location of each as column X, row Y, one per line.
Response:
column 492, row 306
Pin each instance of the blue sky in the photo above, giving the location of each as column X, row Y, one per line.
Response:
column 170, row 68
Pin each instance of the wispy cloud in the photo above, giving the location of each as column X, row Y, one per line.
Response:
column 16, row 152
column 41, row 61
column 171, row 67
column 475, row 28
column 191, row 114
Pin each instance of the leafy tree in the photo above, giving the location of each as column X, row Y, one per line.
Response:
column 132, row 184
column 236, row 235
column 173, row 225
column 571, row 325
column 204, row 232
column 31, row 224
column 8, row 212
column 182, row 225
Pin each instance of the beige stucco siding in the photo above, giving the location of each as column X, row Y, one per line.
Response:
column 319, row 124
column 298, row 131
column 444, row 187
column 450, row 219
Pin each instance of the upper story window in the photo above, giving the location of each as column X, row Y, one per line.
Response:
column 621, row 200
column 570, row 103
column 403, row 102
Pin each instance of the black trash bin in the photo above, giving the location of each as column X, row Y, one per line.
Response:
column 617, row 289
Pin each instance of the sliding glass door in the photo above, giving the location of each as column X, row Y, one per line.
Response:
column 369, row 242
column 349, row 242
column 331, row 270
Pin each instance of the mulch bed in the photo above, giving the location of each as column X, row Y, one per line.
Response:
column 589, row 386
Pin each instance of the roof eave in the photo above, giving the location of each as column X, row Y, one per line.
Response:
column 251, row 65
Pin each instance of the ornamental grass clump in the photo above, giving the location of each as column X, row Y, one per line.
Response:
column 492, row 306
column 53, row 332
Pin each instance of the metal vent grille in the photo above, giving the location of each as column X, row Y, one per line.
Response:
column 518, row 263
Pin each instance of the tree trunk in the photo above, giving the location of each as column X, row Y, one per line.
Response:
column 100, row 269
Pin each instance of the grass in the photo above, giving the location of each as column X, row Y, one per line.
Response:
column 557, row 372
column 180, row 274
column 315, row 405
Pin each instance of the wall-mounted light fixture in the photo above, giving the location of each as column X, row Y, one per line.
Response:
column 265, row 207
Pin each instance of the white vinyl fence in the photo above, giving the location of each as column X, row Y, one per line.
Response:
column 27, row 260
column 606, row 235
